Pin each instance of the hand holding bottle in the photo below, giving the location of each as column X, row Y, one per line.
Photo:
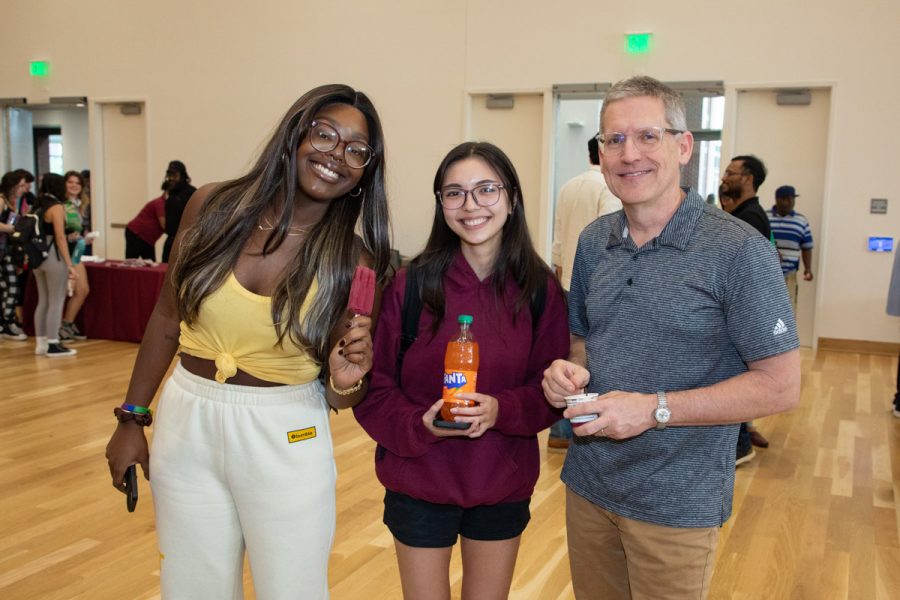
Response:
column 482, row 415
column 460, row 369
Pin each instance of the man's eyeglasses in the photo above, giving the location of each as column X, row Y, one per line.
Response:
column 645, row 140
column 486, row 194
column 325, row 138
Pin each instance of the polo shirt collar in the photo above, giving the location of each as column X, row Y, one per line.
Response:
column 677, row 232
column 790, row 214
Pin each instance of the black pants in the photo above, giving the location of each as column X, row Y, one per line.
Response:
column 135, row 247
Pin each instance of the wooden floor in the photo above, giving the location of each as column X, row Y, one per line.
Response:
column 815, row 516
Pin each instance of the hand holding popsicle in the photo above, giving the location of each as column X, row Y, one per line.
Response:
column 362, row 291
column 351, row 357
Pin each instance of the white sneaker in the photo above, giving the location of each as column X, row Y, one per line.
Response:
column 40, row 346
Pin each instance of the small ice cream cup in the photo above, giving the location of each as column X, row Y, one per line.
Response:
column 578, row 399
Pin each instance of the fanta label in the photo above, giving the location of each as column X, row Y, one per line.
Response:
column 456, row 382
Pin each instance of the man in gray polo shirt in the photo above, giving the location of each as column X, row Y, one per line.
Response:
column 678, row 321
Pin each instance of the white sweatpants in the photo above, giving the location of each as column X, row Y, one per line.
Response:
column 235, row 465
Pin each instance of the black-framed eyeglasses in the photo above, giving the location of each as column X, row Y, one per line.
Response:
column 645, row 140
column 484, row 194
column 325, row 138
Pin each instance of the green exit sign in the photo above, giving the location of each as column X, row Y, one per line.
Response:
column 637, row 43
column 40, row 68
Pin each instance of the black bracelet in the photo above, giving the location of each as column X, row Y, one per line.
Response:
column 142, row 420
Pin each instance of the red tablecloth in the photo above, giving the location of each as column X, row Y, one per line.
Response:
column 119, row 305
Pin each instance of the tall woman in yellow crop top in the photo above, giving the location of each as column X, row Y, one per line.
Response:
column 256, row 299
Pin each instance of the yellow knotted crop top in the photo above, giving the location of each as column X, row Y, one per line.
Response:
column 234, row 328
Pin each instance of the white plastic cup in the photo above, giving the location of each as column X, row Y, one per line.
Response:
column 579, row 399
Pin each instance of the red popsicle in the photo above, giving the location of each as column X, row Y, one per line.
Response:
column 362, row 291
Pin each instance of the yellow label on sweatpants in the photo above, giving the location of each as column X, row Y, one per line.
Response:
column 299, row 435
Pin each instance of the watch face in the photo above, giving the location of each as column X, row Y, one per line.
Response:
column 663, row 415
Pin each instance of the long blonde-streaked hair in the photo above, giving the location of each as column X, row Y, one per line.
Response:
column 83, row 196
column 210, row 248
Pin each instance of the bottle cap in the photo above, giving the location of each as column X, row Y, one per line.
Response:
column 467, row 319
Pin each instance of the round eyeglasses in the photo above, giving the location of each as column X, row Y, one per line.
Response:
column 645, row 140
column 325, row 138
column 485, row 194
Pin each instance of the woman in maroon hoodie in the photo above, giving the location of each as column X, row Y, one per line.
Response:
column 475, row 483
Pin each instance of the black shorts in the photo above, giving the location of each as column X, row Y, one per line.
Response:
column 422, row 524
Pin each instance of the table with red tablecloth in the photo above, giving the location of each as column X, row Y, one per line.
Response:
column 119, row 305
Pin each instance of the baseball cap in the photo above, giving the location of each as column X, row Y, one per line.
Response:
column 786, row 191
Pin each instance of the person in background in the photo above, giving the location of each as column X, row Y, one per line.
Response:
column 679, row 355
column 11, row 189
column 256, row 301
column 741, row 181
column 86, row 178
column 24, row 201
column 893, row 309
column 143, row 231
column 52, row 275
column 86, row 213
column 443, row 484
column 179, row 191
column 581, row 200
column 76, row 205
column 726, row 201
column 793, row 238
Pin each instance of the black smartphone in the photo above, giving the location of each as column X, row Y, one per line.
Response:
column 450, row 424
column 131, row 488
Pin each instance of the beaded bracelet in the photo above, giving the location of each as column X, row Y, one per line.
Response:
column 351, row 390
column 141, row 415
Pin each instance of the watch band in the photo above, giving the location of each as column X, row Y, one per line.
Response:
column 662, row 412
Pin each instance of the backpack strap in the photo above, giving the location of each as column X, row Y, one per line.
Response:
column 411, row 311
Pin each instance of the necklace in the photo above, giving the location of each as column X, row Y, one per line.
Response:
column 270, row 227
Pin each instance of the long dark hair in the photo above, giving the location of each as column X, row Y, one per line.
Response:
column 53, row 188
column 516, row 258
column 210, row 249
column 8, row 184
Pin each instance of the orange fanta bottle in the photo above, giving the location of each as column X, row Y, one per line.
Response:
column 460, row 368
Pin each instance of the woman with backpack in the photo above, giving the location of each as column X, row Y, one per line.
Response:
column 54, row 272
column 476, row 482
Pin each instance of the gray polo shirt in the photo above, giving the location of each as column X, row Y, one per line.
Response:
column 689, row 309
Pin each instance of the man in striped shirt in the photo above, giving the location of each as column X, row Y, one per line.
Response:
column 793, row 239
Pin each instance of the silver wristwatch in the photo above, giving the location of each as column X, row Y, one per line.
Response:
column 662, row 414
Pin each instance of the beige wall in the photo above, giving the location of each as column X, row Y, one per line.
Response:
column 216, row 76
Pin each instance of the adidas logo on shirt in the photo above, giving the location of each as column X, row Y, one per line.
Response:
column 780, row 328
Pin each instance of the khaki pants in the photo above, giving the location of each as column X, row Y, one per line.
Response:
column 790, row 280
column 613, row 557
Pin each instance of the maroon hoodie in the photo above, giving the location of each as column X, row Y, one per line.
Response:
column 503, row 464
